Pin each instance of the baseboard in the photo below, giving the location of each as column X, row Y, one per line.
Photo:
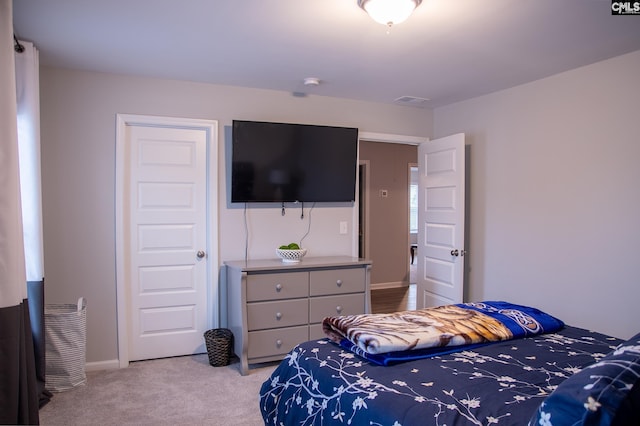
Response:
column 111, row 364
column 390, row 284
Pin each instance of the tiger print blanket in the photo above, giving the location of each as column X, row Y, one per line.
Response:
column 438, row 327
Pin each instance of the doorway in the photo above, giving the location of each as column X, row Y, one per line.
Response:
column 384, row 216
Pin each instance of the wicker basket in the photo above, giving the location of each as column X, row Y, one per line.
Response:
column 291, row 256
column 219, row 343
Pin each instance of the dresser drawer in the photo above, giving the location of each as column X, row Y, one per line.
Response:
column 326, row 306
column 286, row 285
column 276, row 342
column 284, row 313
column 316, row 332
column 336, row 281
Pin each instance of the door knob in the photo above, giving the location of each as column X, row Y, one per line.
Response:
column 200, row 254
column 454, row 252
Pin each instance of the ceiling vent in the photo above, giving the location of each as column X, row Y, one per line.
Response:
column 412, row 101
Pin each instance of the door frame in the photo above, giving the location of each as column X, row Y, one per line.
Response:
column 211, row 225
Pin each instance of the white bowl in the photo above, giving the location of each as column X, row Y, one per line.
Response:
column 291, row 256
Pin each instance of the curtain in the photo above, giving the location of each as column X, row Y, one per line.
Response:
column 19, row 399
column 28, row 117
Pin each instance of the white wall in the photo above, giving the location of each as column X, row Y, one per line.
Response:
column 78, row 170
column 555, row 195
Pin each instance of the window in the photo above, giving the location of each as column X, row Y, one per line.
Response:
column 413, row 201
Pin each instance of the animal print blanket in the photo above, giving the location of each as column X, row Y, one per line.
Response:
column 437, row 330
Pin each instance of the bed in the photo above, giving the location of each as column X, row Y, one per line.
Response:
column 568, row 376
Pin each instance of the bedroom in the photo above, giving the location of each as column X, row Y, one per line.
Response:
column 554, row 198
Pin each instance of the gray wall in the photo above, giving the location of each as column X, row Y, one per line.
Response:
column 554, row 195
column 553, row 207
column 78, row 111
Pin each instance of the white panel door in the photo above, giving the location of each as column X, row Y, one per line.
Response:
column 441, row 189
column 167, row 241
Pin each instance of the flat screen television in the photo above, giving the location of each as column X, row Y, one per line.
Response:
column 281, row 162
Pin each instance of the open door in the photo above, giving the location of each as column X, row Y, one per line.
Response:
column 440, row 268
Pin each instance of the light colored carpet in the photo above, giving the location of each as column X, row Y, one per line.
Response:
column 170, row 391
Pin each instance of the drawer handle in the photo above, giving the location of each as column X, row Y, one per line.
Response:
column 278, row 315
column 339, row 283
column 278, row 343
column 339, row 309
column 278, row 287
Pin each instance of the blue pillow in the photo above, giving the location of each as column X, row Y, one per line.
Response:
column 604, row 393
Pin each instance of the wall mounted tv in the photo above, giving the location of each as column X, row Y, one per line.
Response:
column 281, row 162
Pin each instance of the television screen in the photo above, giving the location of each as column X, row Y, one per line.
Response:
column 280, row 162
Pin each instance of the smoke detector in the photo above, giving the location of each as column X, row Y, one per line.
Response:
column 311, row 81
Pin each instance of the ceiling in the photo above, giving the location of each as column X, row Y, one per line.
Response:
column 447, row 51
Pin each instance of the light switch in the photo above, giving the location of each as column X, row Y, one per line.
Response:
column 343, row 227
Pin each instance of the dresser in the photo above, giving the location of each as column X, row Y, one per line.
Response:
column 272, row 306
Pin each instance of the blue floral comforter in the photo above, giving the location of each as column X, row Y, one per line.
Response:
column 319, row 383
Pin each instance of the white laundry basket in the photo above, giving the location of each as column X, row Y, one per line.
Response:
column 65, row 341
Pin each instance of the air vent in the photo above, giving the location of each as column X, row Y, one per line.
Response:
column 411, row 101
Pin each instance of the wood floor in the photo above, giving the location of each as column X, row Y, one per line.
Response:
column 396, row 299
column 393, row 299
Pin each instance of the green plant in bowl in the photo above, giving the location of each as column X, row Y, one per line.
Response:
column 291, row 246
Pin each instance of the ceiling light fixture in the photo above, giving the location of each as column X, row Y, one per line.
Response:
column 389, row 12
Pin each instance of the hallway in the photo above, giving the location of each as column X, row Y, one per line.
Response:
column 395, row 299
